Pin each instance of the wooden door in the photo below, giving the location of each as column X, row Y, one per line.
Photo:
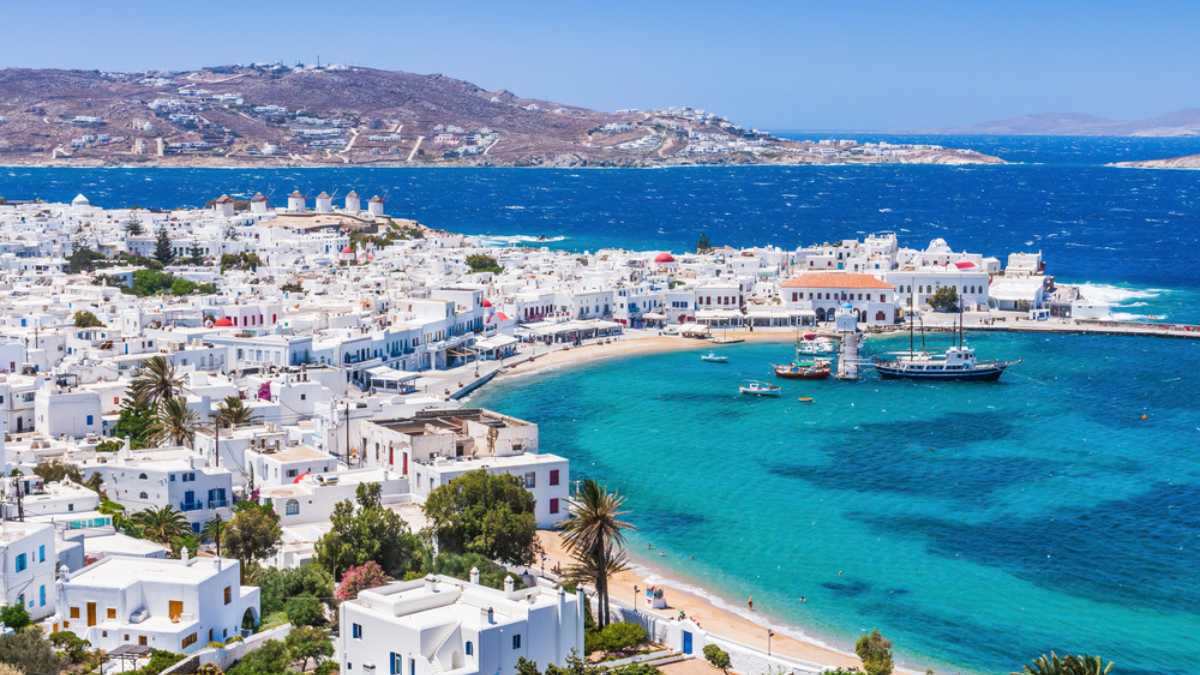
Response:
column 91, row 614
column 175, row 609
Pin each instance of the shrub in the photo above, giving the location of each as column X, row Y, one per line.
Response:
column 360, row 578
column 304, row 610
column 618, row 637
column 718, row 657
column 14, row 616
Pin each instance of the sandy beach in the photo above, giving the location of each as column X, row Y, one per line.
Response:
column 638, row 345
column 721, row 621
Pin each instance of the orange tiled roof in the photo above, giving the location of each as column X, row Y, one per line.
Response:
column 835, row 280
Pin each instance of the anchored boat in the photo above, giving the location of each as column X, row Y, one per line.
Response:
column 817, row 369
column 714, row 358
column 756, row 388
column 958, row 363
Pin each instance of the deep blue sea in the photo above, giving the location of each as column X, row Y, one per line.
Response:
column 976, row 525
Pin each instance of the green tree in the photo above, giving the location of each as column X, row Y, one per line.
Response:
column 232, row 412
column 252, row 534
column 1081, row 664
column 175, row 423
column 618, row 636
column 276, row 586
column 85, row 319
column 70, row 646
column 369, row 532
column 307, row 644
column 162, row 247
column 719, row 658
column 703, row 244
column 136, row 423
column 163, row 525
column 272, row 658
column 83, row 259
column 481, row 262
column 594, row 534
column 195, row 254
column 459, row 565
column 360, row 578
column 180, row 286
column 875, row 652
column 154, row 382
column 944, row 299
column 55, row 471
column 304, row 610
column 14, row 616
column 526, row 667
column 491, row 515
column 133, row 227
column 28, row 651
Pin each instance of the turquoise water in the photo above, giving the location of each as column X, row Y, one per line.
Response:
column 977, row 525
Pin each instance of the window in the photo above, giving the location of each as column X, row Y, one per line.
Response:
column 531, row 480
column 396, row 664
column 143, row 495
column 90, row 420
column 22, row 562
column 41, row 596
column 470, row 649
column 228, row 595
column 517, row 641
column 356, row 631
column 554, row 476
column 292, row 508
column 142, row 476
column 74, row 613
column 41, row 553
column 554, row 505
column 188, row 641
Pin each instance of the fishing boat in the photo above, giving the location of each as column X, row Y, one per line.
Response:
column 756, row 388
column 714, row 358
column 958, row 363
column 816, row 369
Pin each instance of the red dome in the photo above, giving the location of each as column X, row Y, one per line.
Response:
column 487, row 303
column 964, row 264
column 348, row 249
column 664, row 258
column 223, row 322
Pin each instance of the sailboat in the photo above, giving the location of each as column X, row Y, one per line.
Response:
column 957, row 363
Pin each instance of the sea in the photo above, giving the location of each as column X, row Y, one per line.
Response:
column 976, row 525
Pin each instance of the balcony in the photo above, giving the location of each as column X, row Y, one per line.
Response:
column 218, row 503
column 190, row 506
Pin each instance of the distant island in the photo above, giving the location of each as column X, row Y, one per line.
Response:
column 1184, row 162
column 277, row 115
column 1184, row 122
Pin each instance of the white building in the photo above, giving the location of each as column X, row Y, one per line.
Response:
column 445, row 625
column 163, row 603
column 28, row 559
column 873, row 300
column 151, row 479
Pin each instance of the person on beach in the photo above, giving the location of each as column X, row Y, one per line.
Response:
column 750, row 603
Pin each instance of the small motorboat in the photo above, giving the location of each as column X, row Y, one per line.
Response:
column 712, row 357
column 805, row 399
column 756, row 388
column 815, row 346
column 817, row 369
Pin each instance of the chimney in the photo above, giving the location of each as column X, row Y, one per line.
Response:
column 429, row 583
column 183, row 555
column 475, row 575
column 509, row 584
column 491, row 616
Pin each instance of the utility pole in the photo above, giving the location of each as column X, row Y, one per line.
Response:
column 347, row 432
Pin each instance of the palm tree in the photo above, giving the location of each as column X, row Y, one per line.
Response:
column 212, row 531
column 163, row 525
column 1082, row 664
column 232, row 412
column 176, row 423
column 155, row 382
column 594, row 536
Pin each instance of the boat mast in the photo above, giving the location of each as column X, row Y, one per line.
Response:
column 960, row 323
column 911, row 344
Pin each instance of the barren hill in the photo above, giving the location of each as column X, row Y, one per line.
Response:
column 279, row 115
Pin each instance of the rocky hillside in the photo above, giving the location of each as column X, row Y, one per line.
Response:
column 1184, row 122
column 1185, row 162
column 268, row 115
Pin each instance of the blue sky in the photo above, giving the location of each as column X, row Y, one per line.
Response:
column 835, row 65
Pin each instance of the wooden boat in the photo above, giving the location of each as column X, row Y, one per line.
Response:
column 805, row 399
column 803, row 370
column 956, row 364
column 756, row 388
column 714, row 358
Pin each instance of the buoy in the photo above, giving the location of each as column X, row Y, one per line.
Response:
column 1144, row 417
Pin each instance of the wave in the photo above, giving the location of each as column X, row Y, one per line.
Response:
column 516, row 239
column 1108, row 294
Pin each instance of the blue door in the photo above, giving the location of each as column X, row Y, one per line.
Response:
column 687, row 642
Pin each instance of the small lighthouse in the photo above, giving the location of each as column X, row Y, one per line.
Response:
column 846, row 322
